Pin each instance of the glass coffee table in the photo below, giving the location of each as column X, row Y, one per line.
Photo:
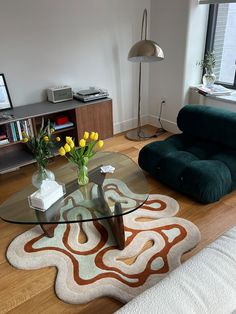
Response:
column 107, row 196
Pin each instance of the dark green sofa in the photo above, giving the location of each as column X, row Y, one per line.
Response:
column 200, row 162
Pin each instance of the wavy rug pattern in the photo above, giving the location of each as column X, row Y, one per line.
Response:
column 88, row 262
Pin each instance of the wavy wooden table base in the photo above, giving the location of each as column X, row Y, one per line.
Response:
column 116, row 222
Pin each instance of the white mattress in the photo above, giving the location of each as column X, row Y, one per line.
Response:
column 205, row 284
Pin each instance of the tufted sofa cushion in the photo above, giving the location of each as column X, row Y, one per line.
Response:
column 209, row 123
column 197, row 168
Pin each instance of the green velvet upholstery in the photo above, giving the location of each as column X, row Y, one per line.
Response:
column 209, row 123
column 200, row 162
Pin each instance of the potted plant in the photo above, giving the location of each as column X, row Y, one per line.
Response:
column 208, row 64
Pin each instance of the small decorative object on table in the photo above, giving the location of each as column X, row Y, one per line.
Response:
column 208, row 63
column 81, row 155
column 48, row 193
column 107, row 169
column 40, row 146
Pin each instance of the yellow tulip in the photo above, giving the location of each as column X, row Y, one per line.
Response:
column 58, row 139
column 68, row 139
column 62, row 151
column 95, row 136
column 67, row 147
column 86, row 135
column 25, row 140
column 92, row 135
column 24, row 134
column 100, row 144
column 52, row 130
column 46, row 138
column 72, row 144
column 82, row 143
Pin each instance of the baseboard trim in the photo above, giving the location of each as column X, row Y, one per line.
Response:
column 167, row 124
column 170, row 126
column 120, row 127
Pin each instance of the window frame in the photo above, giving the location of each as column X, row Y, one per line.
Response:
column 211, row 28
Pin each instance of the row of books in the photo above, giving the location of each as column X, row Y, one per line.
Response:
column 12, row 131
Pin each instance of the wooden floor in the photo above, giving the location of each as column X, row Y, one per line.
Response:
column 33, row 291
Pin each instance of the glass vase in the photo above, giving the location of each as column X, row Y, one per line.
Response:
column 209, row 78
column 40, row 175
column 83, row 178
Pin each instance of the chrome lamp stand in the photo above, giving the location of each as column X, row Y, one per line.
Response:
column 144, row 51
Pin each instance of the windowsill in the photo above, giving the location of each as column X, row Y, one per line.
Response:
column 224, row 98
column 227, row 98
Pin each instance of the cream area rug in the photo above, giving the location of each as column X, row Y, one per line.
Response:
column 88, row 262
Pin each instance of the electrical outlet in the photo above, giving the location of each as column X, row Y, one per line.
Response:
column 163, row 100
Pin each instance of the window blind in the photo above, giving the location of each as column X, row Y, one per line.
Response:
column 216, row 1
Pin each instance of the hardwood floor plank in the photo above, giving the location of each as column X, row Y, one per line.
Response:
column 45, row 303
column 8, row 234
column 18, row 286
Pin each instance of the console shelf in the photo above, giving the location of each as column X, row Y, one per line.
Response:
column 92, row 116
column 9, row 144
column 11, row 160
column 64, row 130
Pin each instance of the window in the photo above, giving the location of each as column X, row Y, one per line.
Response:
column 221, row 38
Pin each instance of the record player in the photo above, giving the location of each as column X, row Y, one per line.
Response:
column 90, row 94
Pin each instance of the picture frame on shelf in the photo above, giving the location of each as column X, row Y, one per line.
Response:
column 5, row 99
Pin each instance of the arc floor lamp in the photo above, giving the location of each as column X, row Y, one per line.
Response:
column 143, row 51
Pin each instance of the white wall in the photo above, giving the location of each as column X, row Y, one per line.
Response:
column 179, row 27
column 195, row 45
column 75, row 42
column 85, row 43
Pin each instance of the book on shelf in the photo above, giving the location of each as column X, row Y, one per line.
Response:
column 30, row 126
column 22, row 126
column 26, row 129
column 13, row 130
column 19, row 130
column 215, row 90
column 4, row 142
column 68, row 124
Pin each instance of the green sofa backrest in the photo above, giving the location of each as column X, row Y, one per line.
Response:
column 208, row 123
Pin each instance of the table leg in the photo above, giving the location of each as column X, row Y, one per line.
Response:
column 48, row 229
column 117, row 227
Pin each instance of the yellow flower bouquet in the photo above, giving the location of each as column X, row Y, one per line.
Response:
column 41, row 146
column 81, row 155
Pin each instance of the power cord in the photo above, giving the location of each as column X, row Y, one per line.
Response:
column 160, row 130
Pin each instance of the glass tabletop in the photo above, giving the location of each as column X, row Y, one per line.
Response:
column 105, row 196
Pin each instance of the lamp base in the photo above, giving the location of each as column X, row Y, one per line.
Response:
column 140, row 135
